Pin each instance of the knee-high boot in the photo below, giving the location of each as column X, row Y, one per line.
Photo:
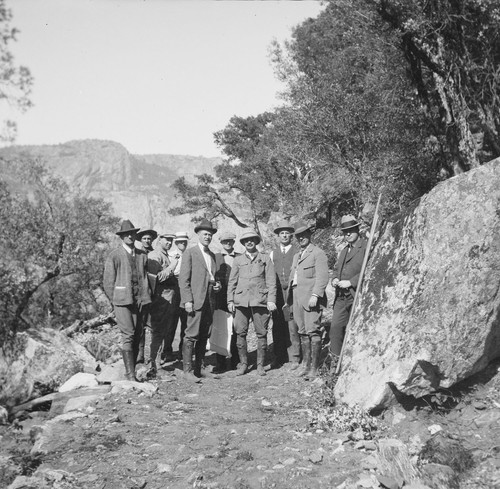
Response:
column 315, row 357
column 128, row 361
column 187, row 360
column 261, row 355
column 305, row 344
column 199, row 355
column 243, row 354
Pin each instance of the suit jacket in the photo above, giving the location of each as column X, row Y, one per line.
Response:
column 348, row 266
column 252, row 283
column 312, row 276
column 194, row 277
column 224, row 264
column 118, row 278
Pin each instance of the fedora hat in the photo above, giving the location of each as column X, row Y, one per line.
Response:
column 126, row 228
column 348, row 221
column 206, row 225
column 181, row 236
column 301, row 227
column 143, row 231
column 283, row 225
column 167, row 235
column 250, row 234
column 226, row 236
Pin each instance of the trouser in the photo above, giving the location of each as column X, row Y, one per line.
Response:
column 308, row 321
column 130, row 321
column 341, row 312
column 221, row 359
column 199, row 323
column 182, row 316
column 161, row 321
column 177, row 312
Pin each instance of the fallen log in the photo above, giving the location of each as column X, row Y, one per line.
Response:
column 82, row 326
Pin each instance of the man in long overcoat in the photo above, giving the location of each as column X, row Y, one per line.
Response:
column 198, row 287
column 308, row 281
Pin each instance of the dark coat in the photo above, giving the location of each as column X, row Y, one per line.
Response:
column 348, row 266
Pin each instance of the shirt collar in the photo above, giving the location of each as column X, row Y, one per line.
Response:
column 130, row 251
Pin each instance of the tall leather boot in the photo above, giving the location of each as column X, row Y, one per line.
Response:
column 305, row 344
column 261, row 355
column 128, row 361
column 199, row 355
column 243, row 354
column 315, row 357
column 187, row 361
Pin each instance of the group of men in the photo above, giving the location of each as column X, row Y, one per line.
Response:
column 160, row 286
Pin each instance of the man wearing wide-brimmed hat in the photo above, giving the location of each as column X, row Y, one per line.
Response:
column 308, row 281
column 286, row 341
column 162, row 309
column 126, row 285
column 146, row 237
column 198, row 287
column 251, row 294
column 345, row 281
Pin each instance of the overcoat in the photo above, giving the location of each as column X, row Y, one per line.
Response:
column 312, row 276
column 194, row 277
column 252, row 283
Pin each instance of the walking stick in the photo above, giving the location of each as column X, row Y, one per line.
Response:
column 360, row 283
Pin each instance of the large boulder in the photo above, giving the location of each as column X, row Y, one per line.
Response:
column 428, row 316
column 37, row 362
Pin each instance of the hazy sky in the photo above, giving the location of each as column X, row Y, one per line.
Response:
column 158, row 76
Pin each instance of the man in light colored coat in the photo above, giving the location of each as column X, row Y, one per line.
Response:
column 308, row 281
column 198, row 286
column 126, row 285
column 251, row 294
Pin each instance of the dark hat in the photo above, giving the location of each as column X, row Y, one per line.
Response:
column 206, row 225
column 283, row 226
column 226, row 235
column 250, row 234
column 143, row 231
column 348, row 222
column 301, row 227
column 167, row 235
column 126, row 228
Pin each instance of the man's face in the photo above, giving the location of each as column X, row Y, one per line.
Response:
column 250, row 245
column 304, row 239
column 166, row 243
column 204, row 237
column 228, row 245
column 146, row 240
column 351, row 235
column 128, row 238
column 285, row 237
column 181, row 245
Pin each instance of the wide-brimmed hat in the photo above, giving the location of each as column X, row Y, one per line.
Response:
column 250, row 234
column 301, row 227
column 226, row 235
column 181, row 236
column 283, row 225
column 143, row 231
column 348, row 221
column 126, row 228
column 206, row 225
column 167, row 235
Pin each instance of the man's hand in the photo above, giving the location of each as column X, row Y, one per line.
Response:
column 230, row 307
column 335, row 282
column 217, row 286
column 344, row 284
column 313, row 302
column 163, row 275
column 271, row 306
column 189, row 307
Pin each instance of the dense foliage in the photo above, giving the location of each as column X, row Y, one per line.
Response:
column 52, row 247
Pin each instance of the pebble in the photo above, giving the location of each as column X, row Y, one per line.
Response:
column 164, row 468
column 289, row 461
column 479, row 405
column 370, row 445
column 435, row 428
column 278, row 466
column 316, row 457
column 266, row 403
column 261, row 467
column 369, row 463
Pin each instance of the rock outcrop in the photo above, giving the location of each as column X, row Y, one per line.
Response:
column 38, row 362
column 429, row 314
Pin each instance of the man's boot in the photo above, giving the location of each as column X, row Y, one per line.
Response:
column 187, row 361
column 199, row 355
column 305, row 344
column 315, row 357
column 140, row 353
column 243, row 354
column 261, row 355
column 128, row 361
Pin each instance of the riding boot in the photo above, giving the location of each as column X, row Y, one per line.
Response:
column 220, row 364
column 187, row 360
column 140, row 353
column 199, row 355
column 261, row 355
column 128, row 361
column 315, row 357
column 243, row 354
column 305, row 344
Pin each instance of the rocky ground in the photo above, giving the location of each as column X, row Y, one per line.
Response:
column 277, row 431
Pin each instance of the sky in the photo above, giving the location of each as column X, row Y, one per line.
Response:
column 158, row 76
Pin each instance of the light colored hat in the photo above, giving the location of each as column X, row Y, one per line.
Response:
column 250, row 234
column 348, row 221
column 226, row 235
column 301, row 227
column 283, row 226
column 167, row 235
column 181, row 236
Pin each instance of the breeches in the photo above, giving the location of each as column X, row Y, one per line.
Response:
column 341, row 312
column 130, row 321
column 260, row 316
column 308, row 322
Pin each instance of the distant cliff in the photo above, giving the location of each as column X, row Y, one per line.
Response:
column 137, row 186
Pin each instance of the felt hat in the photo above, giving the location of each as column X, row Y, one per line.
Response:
column 167, row 235
column 143, row 231
column 181, row 236
column 126, row 228
column 301, row 227
column 206, row 225
column 250, row 234
column 226, row 235
column 283, row 225
column 348, row 221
